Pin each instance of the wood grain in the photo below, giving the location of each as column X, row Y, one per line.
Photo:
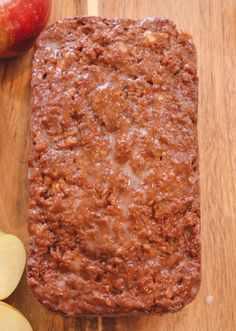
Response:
column 213, row 26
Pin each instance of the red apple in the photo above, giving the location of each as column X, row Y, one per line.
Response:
column 20, row 23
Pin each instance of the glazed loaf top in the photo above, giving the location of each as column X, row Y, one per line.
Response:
column 113, row 168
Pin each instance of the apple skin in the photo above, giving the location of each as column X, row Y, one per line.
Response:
column 21, row 21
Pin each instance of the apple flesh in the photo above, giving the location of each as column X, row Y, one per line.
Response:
column 12, row 320
column 12, row 264
column 21, row 21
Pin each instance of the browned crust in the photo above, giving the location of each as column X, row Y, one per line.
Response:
column 114, row 218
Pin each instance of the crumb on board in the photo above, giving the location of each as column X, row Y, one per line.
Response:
column 209, row 299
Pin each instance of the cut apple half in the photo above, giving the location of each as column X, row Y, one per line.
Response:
column 12, row 320
column 12, row 263
column 2, row 233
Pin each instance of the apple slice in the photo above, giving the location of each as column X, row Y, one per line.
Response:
column 12, row 320
column 12, row 263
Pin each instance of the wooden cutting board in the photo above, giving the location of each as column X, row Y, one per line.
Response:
column 213, row 26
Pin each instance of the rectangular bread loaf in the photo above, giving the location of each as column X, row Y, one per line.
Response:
column 113, row 168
